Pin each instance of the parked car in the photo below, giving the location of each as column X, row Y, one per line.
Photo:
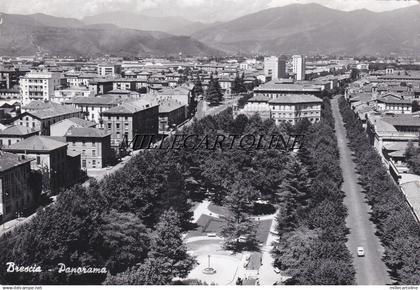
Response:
column 360, row 252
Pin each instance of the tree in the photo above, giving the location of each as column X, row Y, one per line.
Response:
column 198, row 87
column 214, row 93
column 239, row 230
column 168, row 249
column 125, row 240
column 238, row 85
column 175, row 197
column 354, row 74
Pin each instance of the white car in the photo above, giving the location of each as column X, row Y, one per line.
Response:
column 360, row 252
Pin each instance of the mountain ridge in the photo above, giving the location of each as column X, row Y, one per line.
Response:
column 29, row 34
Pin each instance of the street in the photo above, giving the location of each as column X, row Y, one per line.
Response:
column 370, row 270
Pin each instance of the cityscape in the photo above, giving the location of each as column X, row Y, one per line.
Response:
column 197, row 143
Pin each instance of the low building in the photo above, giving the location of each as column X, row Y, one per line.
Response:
column 61, row 128
column 285, row 108
column 129, row 119
column 393, row 103
column 93, row 107
column 48, row 156
column 93, row 145
column 100, row 86
column 293, row 108
column 276, row 88
column 17, row 194
column 41, row 120
column 171, row 114
column 60, row 96
column 15, row 133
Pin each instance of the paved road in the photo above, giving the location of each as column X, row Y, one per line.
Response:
column 370, row 270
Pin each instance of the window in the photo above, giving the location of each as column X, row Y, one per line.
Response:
column 94, row 153
column 84, row 163
column 83, row 152
column 38, row 160
column 94, row 163
column 9, row 142
column 109, row 125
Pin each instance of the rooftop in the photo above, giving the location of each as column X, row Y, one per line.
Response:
column 10, row 160
column 280, row 86
column 40, row 105
column 169, row 105
column 36, row 143
column 412, row 192
column 102, row 100
column 130, row 107
column 78, row 121
column 295, row 99
column 54, row 111
column 86, row 132
column 399, row 120
column 17, row 130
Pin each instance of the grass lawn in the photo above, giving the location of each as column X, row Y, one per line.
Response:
column 263, row 228
column 206, row 224
column 220, row 210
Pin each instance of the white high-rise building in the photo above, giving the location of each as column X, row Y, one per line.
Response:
column 274, row 67
column 38, row 86
column 299, row 67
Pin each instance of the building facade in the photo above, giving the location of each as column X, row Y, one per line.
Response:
column 16, row 194
column 38, row 86
column 298, row 62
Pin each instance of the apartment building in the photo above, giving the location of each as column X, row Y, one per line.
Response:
column 45, row 154
column 16, row 191
column 276, row 88
column 109, row 69
column 293, row 108
column 15, row 133
column 38, row 86
column 42, row 119
column 299, row 67
column 131, row 118
column 93, row 145
column 93, row 107
column 274, row 67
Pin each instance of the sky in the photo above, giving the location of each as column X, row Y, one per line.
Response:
column 196, row 10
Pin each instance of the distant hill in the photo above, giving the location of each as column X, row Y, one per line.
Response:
column 28, row 34
column 170, row 24
column 315, row 29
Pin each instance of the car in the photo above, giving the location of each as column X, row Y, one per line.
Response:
column 211, row 235
column 360, row 252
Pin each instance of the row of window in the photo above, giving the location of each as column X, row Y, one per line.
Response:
column 118, row 126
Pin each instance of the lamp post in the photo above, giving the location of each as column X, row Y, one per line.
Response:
column 209, row 261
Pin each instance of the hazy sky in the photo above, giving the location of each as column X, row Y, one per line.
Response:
column 204, row 10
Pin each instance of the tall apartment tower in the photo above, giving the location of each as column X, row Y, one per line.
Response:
column 274, row 67
column 299, row 67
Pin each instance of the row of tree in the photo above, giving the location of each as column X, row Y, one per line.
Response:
column 124, row 221
column 396, row 226
column 310, row 248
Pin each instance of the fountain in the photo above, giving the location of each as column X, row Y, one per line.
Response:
column 209, row 270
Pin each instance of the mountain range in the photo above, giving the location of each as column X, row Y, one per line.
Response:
column 298, row 28
column 29, row 34
column 315, row 29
